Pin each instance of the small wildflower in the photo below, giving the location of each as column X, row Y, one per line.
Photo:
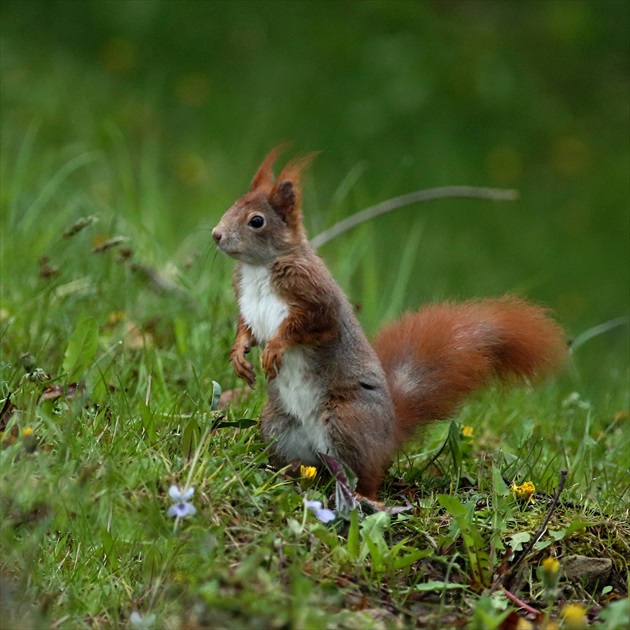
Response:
column 551, row 565
column 467, row 431
column 182, row 507
column 323, row 514
column 524, row 491
column 29, row 441
column 115, row 318
column 138, row 621
column 549, row 574
column 308, row 472
column 574, row 616
column 523, row 624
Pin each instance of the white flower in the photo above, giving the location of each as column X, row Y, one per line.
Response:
column 323, row 514
column 182, row 507
column 138, row 621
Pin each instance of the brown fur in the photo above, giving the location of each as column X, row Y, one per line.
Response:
column 451, row 350
column 369, row 399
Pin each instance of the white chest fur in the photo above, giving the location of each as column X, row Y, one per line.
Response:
column 299, row 387
column 261, row 308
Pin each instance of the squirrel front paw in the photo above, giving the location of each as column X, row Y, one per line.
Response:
column 243, row 368
column 271, row 358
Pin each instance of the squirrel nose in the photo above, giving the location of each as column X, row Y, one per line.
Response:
column 217, row 235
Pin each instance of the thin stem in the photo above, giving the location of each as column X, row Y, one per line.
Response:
column 521, row 604
column 419, row 196
column 541, row 529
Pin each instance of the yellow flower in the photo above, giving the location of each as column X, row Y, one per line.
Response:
column 551, row 565
column 524, row 491
column 467, row 431
column 308, row 472
column 29, row 441
column 523, row 624
column 115, row 318
column 574, row 616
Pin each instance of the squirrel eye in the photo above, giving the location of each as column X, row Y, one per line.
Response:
column 257, row 221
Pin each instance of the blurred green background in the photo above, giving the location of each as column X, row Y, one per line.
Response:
column 161, row 111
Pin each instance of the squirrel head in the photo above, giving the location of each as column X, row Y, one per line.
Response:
column 266, row 222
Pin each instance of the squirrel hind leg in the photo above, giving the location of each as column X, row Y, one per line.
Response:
column 367, row 487
column 363, row 439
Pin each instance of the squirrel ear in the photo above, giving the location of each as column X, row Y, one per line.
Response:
column 284, row 198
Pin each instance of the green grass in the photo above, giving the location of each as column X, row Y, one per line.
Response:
column 85, row 535
column 145, row 327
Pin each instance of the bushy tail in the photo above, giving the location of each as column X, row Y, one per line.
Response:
column 435, row 358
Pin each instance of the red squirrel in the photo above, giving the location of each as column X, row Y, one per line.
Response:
column 332, row 392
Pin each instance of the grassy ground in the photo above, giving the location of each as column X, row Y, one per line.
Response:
column 113, row 335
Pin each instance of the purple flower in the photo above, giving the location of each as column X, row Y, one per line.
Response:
column 323, row 514
column 182, row 507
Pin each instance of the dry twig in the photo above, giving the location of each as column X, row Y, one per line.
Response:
column 492, row 194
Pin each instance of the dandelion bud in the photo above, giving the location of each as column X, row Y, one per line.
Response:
column 574, row 616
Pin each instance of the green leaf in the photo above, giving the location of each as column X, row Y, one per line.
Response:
column 375, row 524
column 181, row 335
column 402, row 562
column 81, row 349
column 353, row 535
column 376, row 553
column 372, row 530
column 326, row 536
column 488, row 614
column 615, row 615
column 542, row 544
column 148, row 422
column 109, row 548
column 454, row 441
column 190, row 438
column 500, row 487
column 517, row 540
column 241, row 423
column 576, row 526
column 437, row 585
column 452, row 505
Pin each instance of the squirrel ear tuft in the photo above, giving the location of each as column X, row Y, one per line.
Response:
column 284, row 198
column 264, row 178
